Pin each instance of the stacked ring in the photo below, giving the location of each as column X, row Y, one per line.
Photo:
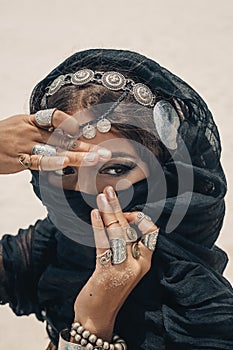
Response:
column 44, row 149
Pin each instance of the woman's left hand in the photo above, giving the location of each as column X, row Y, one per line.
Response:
column 99, row 301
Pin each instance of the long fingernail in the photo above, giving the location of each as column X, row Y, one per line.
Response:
column 96, row 214
column 111, row 192
column 103, row 199
column 104, row 153
column 90, row 157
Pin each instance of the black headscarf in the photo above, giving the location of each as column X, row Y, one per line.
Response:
column 183, row 302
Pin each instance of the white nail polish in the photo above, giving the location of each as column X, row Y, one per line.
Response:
column 104, row 153
column 90, row 157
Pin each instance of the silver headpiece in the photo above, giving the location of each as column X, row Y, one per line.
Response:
column 116, row 81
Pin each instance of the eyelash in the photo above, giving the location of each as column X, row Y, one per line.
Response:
column 123, row 168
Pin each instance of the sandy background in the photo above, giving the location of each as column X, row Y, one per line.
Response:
column 191, row 38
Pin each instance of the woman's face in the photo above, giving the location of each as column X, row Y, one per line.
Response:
column 123, row 169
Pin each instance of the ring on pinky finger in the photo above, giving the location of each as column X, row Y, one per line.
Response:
column 150, row 239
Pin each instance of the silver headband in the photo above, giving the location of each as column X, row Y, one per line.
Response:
column 165, row 117
column 114, row 81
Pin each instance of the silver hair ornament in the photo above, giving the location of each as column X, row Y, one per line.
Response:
column 167, row 123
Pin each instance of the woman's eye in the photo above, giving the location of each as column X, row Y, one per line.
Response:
column 117, row 170
column 65, row 171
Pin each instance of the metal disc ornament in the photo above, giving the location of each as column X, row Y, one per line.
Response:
column 131, row 234
column 103, row 125
column 89, row 131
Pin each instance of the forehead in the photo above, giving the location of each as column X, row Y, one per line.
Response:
column 113, row 141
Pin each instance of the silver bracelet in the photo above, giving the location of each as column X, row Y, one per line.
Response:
column 64, row 343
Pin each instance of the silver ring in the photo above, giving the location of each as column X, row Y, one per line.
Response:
column 141, row 216
column 105, row 257
column 150, row 239
column 119, row 252
column 44, row 149
column 43, row 118
column 131, row 234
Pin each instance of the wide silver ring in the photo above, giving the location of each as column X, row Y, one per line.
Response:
column 43, row 118
column 105, row 257
column 119, row 251
column 44, row 149
column 150, row 239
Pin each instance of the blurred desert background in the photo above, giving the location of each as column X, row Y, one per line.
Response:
column 191, row 38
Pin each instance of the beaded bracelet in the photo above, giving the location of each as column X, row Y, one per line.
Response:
column 90, row 341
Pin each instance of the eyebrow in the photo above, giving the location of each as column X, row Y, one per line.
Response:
column 122, row 154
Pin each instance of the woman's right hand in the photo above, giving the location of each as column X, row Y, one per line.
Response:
column 20, row 133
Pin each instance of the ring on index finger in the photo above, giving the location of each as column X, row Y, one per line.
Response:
column 44, row 149
column 43, row 118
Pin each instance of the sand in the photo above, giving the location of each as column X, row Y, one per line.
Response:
column 191, row 38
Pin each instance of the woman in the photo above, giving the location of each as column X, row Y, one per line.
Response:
column 137, row 129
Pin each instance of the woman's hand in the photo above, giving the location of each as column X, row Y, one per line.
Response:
column 99, row 301
column 20, row 133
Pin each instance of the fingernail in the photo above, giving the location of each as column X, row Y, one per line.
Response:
column 90, row 157
column 96, row 214
column 103, row 199
column 104, row 153
column 111, row 192
column 61, row 160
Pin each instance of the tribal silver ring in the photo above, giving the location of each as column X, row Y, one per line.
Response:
column 43, row 118
column 141, row 216
column 44, row 149
column 132, row 235
column 150, row 239
column 105, row 257
column 119, row 252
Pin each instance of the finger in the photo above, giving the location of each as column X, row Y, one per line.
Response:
column 44, row 163
column 144, row 222
column 62, row 120
column 101, row 240
column 116, row 207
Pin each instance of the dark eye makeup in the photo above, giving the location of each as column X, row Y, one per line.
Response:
column 117, row 169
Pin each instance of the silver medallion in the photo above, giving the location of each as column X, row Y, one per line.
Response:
column 56, row 85
column 89, row 131
column 143, row 94
column 82, row 77
column 113, row 80
column 131, row 234
column 119, row 252
column 103, row 125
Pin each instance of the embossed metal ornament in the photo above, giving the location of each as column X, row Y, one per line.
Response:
column 43, row 118
column 141, row 216
column 131, row 234
column 103, row 125
column 113, row 80
column 150, row 239
column 82, row 77
column 167, row 123
column 56, row 85
column 119, row 252
column 89, row 131
column 143, row 94
column 105, row 257
column 46, row 150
